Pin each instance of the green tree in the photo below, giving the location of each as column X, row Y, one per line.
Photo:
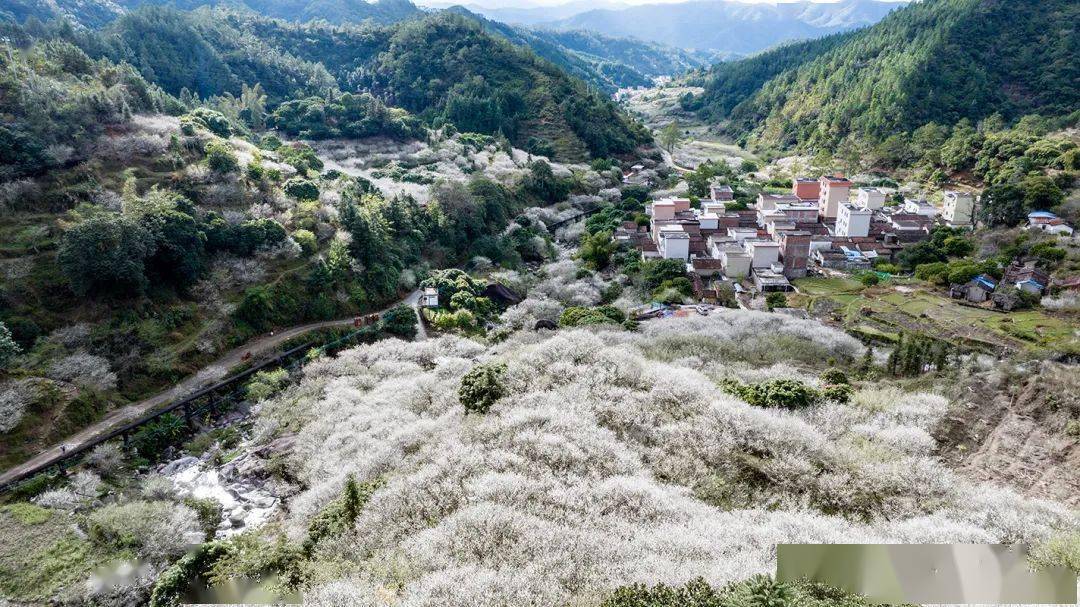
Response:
column 597, row 249
column 401, row 321
column 8, row 348
column 1040, row 193
column 671, row 135
column 105, row 254
column 220, row 157
column 301, row 189
column 482, row 386
column 775, row 300
column 179, row 248
column 253, row 102
column 1002, row 205
column 541, row 183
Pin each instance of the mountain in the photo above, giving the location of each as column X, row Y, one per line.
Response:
column 728, row 26
column 95, row 13
column 441, row 67
column 934, row 61
column 535, row 15
column 604, row 62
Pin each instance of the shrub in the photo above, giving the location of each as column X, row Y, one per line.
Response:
column 158, row 531
column 840, row 393
column 174, row 581
column 834, row 377
column 576, row 316
column 401, row 321
column 208, row 511
column 784, row 393
column 106, row 459
column 220, row 157
column 307, row 241
column 301, row 189
column 481, row 387
column 341, row 514
column 213, row 121
column 265, row 384
column 776, row 300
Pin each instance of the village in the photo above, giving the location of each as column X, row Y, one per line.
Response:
column 824, row 226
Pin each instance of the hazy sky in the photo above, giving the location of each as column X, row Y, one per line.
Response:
column 539, row 3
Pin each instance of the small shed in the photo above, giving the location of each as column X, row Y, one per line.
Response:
column 429, row 298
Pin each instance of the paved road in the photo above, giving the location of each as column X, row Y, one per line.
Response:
column 210, row 373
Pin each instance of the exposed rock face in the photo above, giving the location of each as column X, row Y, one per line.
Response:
column 1015, row 430
column 244, row 487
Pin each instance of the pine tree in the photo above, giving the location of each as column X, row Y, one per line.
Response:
column 351, row 500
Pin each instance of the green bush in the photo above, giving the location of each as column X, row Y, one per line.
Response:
column 401, row 321
column 307, row 241
column 172, row 584
column 576, row 316
column 220, row 157
column 211, row 120
column 301, row 189
column 481, row 387
column 105, row 254
column 339, row 515
column 209, row 512
column 783, row 393
column 265, row 384
column 834, row 377
column 840, row 393
column 776, row 300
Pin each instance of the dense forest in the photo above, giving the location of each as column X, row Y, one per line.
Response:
column 603, row 62
column 935, row 61
column 444, row 68
column 96, row 13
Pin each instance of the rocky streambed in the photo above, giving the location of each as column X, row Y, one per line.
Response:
column 248, row 493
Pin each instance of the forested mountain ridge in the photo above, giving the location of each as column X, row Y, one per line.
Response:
column 604, row 62
column 934, row 61
column 443, row 67
column 96, row 13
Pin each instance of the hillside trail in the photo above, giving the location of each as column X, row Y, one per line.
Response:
column 192, row 383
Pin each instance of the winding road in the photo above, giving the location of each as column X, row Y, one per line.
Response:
column 210, row 373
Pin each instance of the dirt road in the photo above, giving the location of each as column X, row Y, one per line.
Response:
column 208, row 374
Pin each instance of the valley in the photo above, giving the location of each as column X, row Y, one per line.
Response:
column 580, row 306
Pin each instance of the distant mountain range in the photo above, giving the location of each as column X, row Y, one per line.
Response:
column 726, row 26
column 605, row 62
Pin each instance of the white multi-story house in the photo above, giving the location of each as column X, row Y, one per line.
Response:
column 674, row 243
column 869, row 198
column 853, row 221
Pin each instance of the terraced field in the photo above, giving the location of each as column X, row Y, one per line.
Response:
column 882, row 311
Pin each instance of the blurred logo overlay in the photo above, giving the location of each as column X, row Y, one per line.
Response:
column 929, row 574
